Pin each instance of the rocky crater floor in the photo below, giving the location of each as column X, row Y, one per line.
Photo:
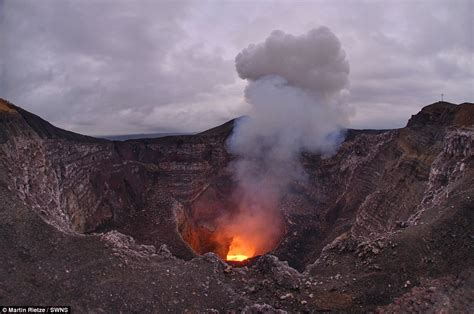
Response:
column 383, row 225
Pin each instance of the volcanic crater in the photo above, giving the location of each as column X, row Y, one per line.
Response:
column 386, row 219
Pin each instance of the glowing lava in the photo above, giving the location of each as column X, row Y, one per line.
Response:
column 240, row 250
column 237, row 258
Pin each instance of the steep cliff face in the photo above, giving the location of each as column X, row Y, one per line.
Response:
column 384, row 210
column 82, row 184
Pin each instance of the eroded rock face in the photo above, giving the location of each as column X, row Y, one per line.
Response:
column 111, row 225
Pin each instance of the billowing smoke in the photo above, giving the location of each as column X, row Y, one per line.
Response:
column 296, row 85
column 313, row 62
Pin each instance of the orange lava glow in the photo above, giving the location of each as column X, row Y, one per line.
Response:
column 237, row 258
column 240, row 250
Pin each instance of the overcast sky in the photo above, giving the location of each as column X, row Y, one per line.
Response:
column 122, row 67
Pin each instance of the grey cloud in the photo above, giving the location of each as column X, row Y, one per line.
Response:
column 88, row 65
column 107, row 66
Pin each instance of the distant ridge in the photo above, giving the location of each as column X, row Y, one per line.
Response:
column 440, row 112
column 126, row 137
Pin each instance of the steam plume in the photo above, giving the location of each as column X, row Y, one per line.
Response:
column 295, row 88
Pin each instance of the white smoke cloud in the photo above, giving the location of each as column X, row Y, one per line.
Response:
column 296, row 87
column 313, row 61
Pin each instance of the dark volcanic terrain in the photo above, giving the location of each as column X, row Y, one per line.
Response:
column 385, row 224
